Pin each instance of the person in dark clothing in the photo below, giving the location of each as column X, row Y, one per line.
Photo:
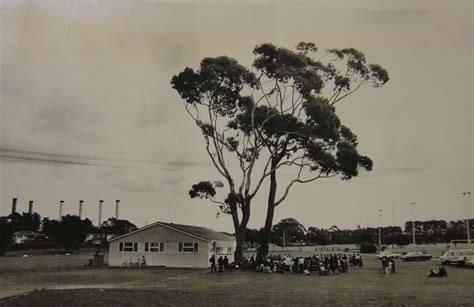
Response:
column 442, row 272
column 212, row 260
column 220, row 262
column 226, row 262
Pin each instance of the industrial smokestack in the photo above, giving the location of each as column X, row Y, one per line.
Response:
column 117, row 207
column 100, row 212
column 14, row 205
column 81, row 203
column 61, row 204
column 30, row 207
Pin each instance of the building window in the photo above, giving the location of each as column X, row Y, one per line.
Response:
column 154, row 247
column 188, row 247
column 128, row 247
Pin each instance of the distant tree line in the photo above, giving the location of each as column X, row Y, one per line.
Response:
column 290, row 232
column 70, row 232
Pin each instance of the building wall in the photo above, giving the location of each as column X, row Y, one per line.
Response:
column 170, row 257
column 222, row 248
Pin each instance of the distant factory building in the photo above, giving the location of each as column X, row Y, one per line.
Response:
column 171, row 245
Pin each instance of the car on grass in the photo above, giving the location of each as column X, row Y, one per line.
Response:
column 463, row 259
column 469, row 263
column 388, row 255
column 416, row 256
column 455, row 255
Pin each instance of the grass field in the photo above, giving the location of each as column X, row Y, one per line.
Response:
column 56, row 279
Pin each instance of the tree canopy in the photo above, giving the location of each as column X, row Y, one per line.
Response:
column 289, row 230
column 69, row 232
column 117, row 227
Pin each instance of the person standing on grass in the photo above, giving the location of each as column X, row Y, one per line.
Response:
column 226, row 263
column 392, row 263
column 220, row 262
column 212, row 260
column 388, row 269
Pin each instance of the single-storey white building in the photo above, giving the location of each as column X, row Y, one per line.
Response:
column 171, row 245
column 25, row 236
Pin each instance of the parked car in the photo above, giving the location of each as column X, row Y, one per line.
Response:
column 462, row 260
column 389, row 255
column 454, row 255
column 469, row 263
column 416, row 256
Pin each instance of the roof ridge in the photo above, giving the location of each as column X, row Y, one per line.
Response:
column 184, row 229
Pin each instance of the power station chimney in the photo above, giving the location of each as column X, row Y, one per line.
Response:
column 100, row 212
column 30, row 208
column 81, row 203
column 117, row 207
column 14, row 205
column 61, row 204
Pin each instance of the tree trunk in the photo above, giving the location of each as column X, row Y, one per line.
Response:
column 270, row 212
column 240, row 231
column 239, row 249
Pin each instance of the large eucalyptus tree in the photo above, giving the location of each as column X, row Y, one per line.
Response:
column 279, row 114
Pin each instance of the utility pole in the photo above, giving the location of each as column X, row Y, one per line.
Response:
column 380, row 219
column 413, row 220
column 466, row 200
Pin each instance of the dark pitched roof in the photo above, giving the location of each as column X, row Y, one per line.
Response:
column 200, row 232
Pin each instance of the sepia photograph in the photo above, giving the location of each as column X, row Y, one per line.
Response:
column 236, row 153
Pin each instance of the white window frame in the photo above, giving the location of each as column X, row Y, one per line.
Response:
column 128, row 247
column 192, row 247
column 154, row 247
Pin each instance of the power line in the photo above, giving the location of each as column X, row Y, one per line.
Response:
column 52, row 157
column 13, row 153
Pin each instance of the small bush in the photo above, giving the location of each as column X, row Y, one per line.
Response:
column 368, row 248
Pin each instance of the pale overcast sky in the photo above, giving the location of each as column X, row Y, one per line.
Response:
column 92, row 78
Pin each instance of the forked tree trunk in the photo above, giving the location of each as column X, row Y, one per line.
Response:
column 240, row 228
column 270, row 212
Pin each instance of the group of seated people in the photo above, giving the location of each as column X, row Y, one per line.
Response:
column 317, row 264
column 440, row 273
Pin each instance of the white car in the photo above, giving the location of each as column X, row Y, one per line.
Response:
column 389, row 255
column 463, row 259
column 452, row 256
column 469, row 263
